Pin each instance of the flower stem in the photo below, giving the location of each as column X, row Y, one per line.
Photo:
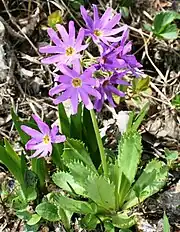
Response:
column 99, row 142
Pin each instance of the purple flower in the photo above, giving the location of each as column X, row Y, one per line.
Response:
column 67, row 49
column 108, row 59
column 125, row 59
column 42, row 140
column 107, row 89
column 101, row 29
column 75, row 86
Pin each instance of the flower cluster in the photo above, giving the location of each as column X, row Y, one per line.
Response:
column 84, row 85
column 77, row 84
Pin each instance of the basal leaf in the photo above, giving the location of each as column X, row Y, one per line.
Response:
column 72, row 205
column 12, row 164
column 115, row 174
column 123, row 221
column 76, row 124
column 66, row 181
column 24, row 137
column 80, row 172
column 30, row 180
column 89, row 222
column 39, row 167
column 166, row 225
column 35, row 218
column 65, row 218
column 146, row 187
column 101, row 191
column 129, row 153
column 48, row 211
column 75, row 150
column 89, row 138
column 57, row 152
column 63, row 120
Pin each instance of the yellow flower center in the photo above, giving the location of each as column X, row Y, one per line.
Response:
column 76, row 82
column 98, row 32
column 46, row 139
column 70, row 51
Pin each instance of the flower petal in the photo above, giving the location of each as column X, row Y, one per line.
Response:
column 53, row 59
column 79, row 39
column 54, row 37
column 105, row 17
column 85, row 98
column 60, row 139
column 57, row 89
column 32, row 141
column 96, row 16
column 92, row 92
column 31, row 132
column 67, row 71
column 36, row 153
column 44, row 128
column 86, row 17
column 74, row 102
column 71, row 33
column 64, row 96
column 64, row 34
column 54, row 132
column 51, row 49
column 115, row 20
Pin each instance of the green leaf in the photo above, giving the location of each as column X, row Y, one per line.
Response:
column 65, row 218
column 57, row 152
column 35, row 218
column 171, row 155
column 55, row 18
column 23, row 214
column 115, row 174
column 30, row 180
column 139, row 118
column 123, row 221
column 76, row 4
column 76, row 124
column 170, row 32
column 10, row 161
column 80, row 172
column 24, row 137
column 89, row 222
column 176, row 101
column 72, row 205
column 163, row 19
column 109, row 226
column 63, row 120
column 129, row 153
column 147, row 27
column 89, row 138
column 33, row 228
column 147, row 185
column 39, row 167
column 124, row 11
column 101, row 191
column 166, row 226
column 74, row 150
column 48, row 211
column 140, row 84
column 66, row 181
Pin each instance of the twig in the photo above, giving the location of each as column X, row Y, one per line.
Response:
column 19, row 28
